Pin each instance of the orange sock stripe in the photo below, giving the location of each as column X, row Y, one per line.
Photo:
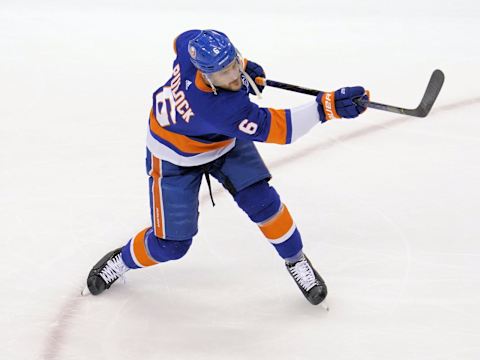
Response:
column 140, row 249
column 278, row 226
column 158, row 221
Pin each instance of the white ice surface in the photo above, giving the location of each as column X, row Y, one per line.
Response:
column 388, row 206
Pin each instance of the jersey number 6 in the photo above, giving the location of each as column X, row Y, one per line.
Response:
column 165, row 109
column 248, row 127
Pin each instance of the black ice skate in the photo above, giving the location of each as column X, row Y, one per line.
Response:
column 308, row 280
column 108, row 270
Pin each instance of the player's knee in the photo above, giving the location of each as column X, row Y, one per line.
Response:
column 260, row 201
column 165, row 250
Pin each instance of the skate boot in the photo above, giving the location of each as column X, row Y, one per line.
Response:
column 308, row 280
column 108, row 270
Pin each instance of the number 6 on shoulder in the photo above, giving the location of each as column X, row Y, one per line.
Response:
column 165, row 109
column 248, row 127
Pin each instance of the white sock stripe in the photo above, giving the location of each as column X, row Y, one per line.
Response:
column 285, row 237
column 146, row 245
column 132, row 253
column 271, row 218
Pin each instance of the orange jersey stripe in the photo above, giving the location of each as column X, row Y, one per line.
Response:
column 278, row 226
column 278, row 127
column 157, row 198
column 140, row 250
column 182, row 142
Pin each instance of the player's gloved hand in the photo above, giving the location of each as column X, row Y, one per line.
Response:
column 254, row 70
column 340, row 104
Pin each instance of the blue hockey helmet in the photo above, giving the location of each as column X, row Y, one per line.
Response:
column 211, row 51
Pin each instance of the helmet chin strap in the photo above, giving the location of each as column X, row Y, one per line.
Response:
column 249, row 79
column 241, row 64
column 252, row 83
column 211, row 84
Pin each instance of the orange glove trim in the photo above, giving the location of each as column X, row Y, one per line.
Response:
column 328, row 102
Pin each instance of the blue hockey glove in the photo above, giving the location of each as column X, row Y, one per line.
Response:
column 339, row 104
column 254, row 70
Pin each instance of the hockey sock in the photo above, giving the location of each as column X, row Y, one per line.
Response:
column 262, row 204
column 295, row 258
column 145, row 249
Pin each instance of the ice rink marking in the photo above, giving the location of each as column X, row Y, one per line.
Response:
column 56, row 337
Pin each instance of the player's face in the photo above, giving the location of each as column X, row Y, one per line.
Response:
column 228, row 78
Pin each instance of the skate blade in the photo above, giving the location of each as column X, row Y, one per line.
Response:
column 85, row 291
column 325, row 306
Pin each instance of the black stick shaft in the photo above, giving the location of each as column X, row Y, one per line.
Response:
column 431, row 93
column 304, row 90
column 291, row 87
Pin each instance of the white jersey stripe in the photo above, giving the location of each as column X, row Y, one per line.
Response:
column 165, row 153
column 304, row 118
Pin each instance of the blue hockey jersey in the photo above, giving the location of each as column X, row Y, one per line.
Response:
column 190, row 125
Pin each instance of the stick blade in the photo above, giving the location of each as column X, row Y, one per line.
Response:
column 431, row 93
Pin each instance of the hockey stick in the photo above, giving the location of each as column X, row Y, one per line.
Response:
column 433, row 89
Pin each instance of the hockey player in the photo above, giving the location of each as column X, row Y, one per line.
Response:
column 202, row 122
